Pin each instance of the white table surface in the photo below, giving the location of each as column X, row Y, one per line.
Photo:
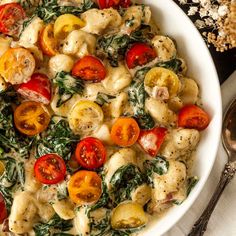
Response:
column 223, row 219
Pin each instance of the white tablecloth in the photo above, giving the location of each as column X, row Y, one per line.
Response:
column 223, row 219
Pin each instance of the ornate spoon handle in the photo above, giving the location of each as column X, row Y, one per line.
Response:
column 200, row 225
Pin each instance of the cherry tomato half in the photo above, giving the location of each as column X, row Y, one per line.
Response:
column 3, row 209
column 113, row 3
column 31, row 118
column 37, row 89
column 11, row 17
column 89, row 68
column 139, row 54
column 90, row 153
column 85, row 187
column 48, row 43
column 17, row 65
column 193, row 117
column 50, row 169
column 125, row 131
column 151, row 140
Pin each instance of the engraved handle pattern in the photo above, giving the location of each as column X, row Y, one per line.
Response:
column 200, row 225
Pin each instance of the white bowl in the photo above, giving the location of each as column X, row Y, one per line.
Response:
column 174, row 22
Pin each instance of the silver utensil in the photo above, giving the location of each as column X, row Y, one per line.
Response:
column 229, row 143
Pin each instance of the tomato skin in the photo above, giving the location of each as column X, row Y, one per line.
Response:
column 11, row 14
column 193, row 117
column 151, row 140
column 3, row 209
column 139, row 54
column 125, row 131
column 85, row 187
column 47, row 42
column 114, row 3
column 37, row 89
column 89, row 68
column 90, row 153
column 50, row 169
column 31, row 118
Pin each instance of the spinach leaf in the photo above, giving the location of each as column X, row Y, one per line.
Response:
column 103, row 98
column 55, row 223
column 142, row 34
column 102, row 226
column 137, row 96
column 191, row 183
column 7, row 195
column 48, row 10
column 113, row 47
column 11, row 141
column 58, row 138
column 173, row 64
column 14, row 173
column 124, row 181
column 67, row 86
column 158, row 165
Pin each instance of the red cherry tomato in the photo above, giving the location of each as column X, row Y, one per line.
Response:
column 193, row 117
column 89, row 68
column 11, row 17
column 37, row 89
column 90, row 153
column 151, row 140
column 139, row 54
column 3, row 209
column 50, row 169
column 113, row 3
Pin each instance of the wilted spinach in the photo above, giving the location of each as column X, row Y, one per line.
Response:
column 55, row 223
column 67, row 86
column 137, row 96
column 113, row 47
column 173, row 64
column 58, row 138
column 158, row 165
column 14, row 173
column 103, row 98
column 50, row 9
column 142, row 34
column 124, row 181
column 11, row 141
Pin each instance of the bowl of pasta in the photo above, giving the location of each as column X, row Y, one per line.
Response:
column 110, row 117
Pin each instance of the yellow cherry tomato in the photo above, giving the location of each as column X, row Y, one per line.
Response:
column 162, row 77
column 2, row 168
column 85, row 117
column 85, row 187
column 128, row 215
column 48, row 43
column 67, row 23
column 17, row 65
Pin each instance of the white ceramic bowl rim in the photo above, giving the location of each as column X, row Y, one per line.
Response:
column 211, row 97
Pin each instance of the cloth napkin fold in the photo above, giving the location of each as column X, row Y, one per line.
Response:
column 223, row 219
